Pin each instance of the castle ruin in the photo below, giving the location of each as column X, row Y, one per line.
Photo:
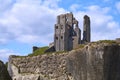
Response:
column 86, row 29
column 67, row 34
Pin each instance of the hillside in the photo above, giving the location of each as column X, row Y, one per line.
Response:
column 93, row 61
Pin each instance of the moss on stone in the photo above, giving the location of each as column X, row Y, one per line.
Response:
column 81, row 45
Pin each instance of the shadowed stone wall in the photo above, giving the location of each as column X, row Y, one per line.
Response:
column 4, row 75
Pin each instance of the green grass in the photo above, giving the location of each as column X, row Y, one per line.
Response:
column 107, row 41
column 42, row 50
column 59, row 52
column 81, row 45
column 6, row 64
column 39, row 51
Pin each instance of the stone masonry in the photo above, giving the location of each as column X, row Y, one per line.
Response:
column 67, row 34
column 95, row 61
column 86, row 29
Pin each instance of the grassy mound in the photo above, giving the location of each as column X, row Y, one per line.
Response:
column 39, row 51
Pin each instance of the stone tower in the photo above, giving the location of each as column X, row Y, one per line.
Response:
column 86, row 29
column 77, row 34
column 67, row 33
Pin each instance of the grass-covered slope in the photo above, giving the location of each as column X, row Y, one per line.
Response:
column 42, row 50
column 39, row 51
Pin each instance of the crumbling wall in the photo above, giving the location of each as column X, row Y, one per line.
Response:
column 93, row 62
column 86, row 29
column 67, row 33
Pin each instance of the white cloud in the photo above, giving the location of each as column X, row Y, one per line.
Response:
column 5, row 4
column 113, row 25
column 118, row 6
column 74, row 7
column 98, row 9
column 30, row 21
column 103, row 25
column 5, row 53
column 51, row 3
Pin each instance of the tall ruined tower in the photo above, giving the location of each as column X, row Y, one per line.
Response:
column 62, row 39
column 76, row 35
column 66, row 36
column 86, row 29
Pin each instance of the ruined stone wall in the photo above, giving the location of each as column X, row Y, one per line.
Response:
column 86, row 29
column 64, row 33
column 76, row 37
column 61, row 34
column 93, row 62
column 69, row 26
column 118, row 40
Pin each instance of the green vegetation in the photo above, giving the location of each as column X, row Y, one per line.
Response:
column 107, row 41
column 42, row 50
column 39, row 51
column 58, row 52
column 81, row 45
column 6, row 64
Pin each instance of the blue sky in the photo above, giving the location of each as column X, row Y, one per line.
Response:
column 27, row 23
